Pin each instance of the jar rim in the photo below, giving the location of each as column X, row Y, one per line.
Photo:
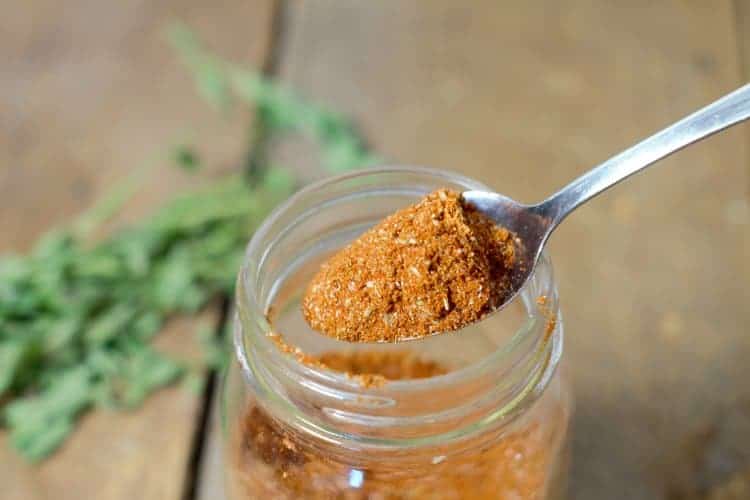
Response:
column 250, row 308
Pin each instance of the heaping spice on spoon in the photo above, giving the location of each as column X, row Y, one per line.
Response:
column 435, row 266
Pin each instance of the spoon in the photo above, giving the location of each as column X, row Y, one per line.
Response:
column 533, row 224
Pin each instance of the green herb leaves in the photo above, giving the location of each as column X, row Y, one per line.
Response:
column 280, row 109
column 77, row 320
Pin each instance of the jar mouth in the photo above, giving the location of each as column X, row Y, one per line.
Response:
column 487, row 364
column 260, row 357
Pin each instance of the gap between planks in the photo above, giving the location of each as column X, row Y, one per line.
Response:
column 202, row 480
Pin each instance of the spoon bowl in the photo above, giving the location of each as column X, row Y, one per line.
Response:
column 528, row 223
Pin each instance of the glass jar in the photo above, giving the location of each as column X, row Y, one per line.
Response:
column 476, row 414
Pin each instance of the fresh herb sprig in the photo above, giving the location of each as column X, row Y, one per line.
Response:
column 77, row 319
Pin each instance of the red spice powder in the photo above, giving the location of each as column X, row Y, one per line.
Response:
column 369, row 368
column 435, row 266
column 275, row 462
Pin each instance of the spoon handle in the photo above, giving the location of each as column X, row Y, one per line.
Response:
column 725, row 112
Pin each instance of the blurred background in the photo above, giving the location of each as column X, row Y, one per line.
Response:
column 523, row 96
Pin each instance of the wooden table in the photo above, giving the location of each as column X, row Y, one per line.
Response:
column 523, row 96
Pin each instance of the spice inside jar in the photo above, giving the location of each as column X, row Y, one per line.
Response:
column 276, row 462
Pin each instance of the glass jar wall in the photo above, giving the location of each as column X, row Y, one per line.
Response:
column 477, row 414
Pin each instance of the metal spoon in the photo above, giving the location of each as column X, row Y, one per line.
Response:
column 534, row 223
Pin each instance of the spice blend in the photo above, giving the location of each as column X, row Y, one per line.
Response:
column 275, row 462
column 432, row 267
column 369, row 368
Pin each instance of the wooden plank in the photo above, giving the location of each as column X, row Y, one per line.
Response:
column 89, row 92
column 525, row 97
column 212, row 477
column 742, row 17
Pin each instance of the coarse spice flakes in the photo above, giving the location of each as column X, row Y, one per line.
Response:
column 543, row 303
column 435, row 266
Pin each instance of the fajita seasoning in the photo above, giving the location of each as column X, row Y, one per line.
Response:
column 273, row 461
column 432, row 267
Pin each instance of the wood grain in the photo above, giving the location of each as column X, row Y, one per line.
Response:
column 90, row 91
column 526, row 96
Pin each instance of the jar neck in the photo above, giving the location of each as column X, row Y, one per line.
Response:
column 487, row 394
